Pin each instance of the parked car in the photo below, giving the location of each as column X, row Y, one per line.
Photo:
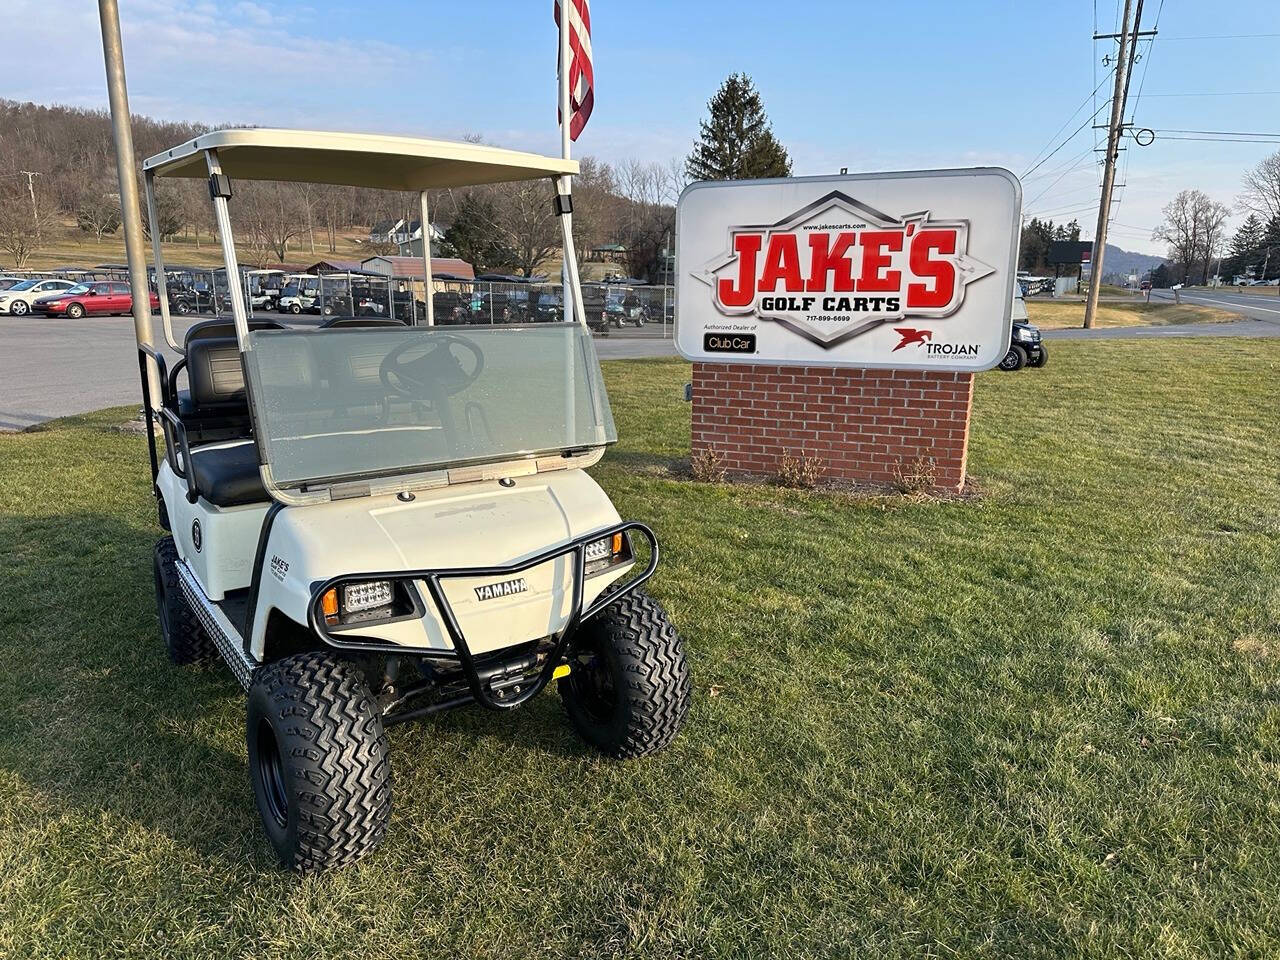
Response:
column 96, row 299
column 17, row 300
column 7, row 282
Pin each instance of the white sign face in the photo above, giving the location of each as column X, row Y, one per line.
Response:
column 899, row 270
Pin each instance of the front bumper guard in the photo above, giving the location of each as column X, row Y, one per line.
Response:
column 461, row 652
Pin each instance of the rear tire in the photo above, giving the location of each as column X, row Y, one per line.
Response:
column 184, row 638
column 318, row 761
column 1041, row 359
column 1015, row 359
column 628, row 692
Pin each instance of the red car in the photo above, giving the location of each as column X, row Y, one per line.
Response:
column 102, row 298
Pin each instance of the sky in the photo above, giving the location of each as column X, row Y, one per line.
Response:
column 868, row 86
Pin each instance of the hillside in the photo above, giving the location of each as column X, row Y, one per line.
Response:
column 1121, row 261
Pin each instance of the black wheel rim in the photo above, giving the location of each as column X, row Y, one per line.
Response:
column 592, row 683
column 162, row 606
column 271, row 775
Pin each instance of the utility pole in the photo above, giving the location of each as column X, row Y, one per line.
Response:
column 31, row 189
column 1124, row 67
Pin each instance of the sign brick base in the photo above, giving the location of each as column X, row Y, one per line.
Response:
column 874, row 428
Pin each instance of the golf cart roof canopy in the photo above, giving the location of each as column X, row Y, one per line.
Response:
column 353, row 159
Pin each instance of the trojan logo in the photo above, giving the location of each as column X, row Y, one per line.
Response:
column 838, row 268
column 910, row 336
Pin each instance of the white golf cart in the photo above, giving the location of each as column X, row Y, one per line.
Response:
column 299, row 292
column 373, row 521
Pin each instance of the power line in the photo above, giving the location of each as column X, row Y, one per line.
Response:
column 1068, row 120
column 1087, row 121
column 1227, row 93
column 1229, row 36
column 1222, row 133
column 1221, row 139
column 1063, row 166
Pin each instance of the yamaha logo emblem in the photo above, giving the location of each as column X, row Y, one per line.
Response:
column 195, row 534
column 504, row 589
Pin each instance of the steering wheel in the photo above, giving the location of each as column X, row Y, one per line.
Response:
column 434, row 373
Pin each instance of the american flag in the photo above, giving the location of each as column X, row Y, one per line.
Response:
column 581, row 76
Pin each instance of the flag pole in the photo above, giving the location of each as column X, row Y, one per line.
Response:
column 564, row 185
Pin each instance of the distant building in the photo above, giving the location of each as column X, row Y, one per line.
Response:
column 400, row 232
column 407, row 271
column 608, row 253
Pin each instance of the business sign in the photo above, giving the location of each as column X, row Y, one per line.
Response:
column 908, row 270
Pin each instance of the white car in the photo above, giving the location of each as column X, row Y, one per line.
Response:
column 17, row 300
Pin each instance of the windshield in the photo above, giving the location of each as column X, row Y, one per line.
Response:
column 340, row 404
column 23, row 285
column 78, row 289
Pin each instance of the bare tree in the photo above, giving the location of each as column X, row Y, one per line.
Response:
column 98, row 211
column 526, row 223
column 273, row 215
column 647, row 214
column 1261, row 194
column 19, row 232
column 1213, row 217
column 1180, row 228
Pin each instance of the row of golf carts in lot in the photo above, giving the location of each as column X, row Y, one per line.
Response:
column 486, row 299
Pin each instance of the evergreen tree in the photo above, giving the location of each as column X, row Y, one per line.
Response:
column 1245, row 249
column 1270, row 268
column 737, row 142
column 471, row 234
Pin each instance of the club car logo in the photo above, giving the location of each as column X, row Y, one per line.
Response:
column 504, row 589
column 838, row 268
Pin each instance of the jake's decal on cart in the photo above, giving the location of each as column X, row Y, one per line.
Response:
column 279, row 568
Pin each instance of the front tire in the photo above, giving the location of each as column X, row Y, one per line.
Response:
column 184, row 638
column 1041, row 358
column 628, row 692
column 19, row 308
column 75, row 311
column 318, row 761
column 295, row 308
column 1015, row 359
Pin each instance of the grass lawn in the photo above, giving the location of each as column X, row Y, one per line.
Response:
column 1039, row 723
column 66, row 246
column 1057, row 315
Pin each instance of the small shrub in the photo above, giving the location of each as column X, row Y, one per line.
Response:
column 800, row 471
column 708, row 466
column 917, row 478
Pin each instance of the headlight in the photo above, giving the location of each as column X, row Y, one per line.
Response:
column 366, row 596
column 363, row 600
column 607, row 552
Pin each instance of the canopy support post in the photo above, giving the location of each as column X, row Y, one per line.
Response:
column 157, row 258
column 220, row 190
column 426, row 260
column 131, row 214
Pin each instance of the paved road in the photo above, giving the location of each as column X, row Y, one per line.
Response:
column 54, row 368
column 1255, row 306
